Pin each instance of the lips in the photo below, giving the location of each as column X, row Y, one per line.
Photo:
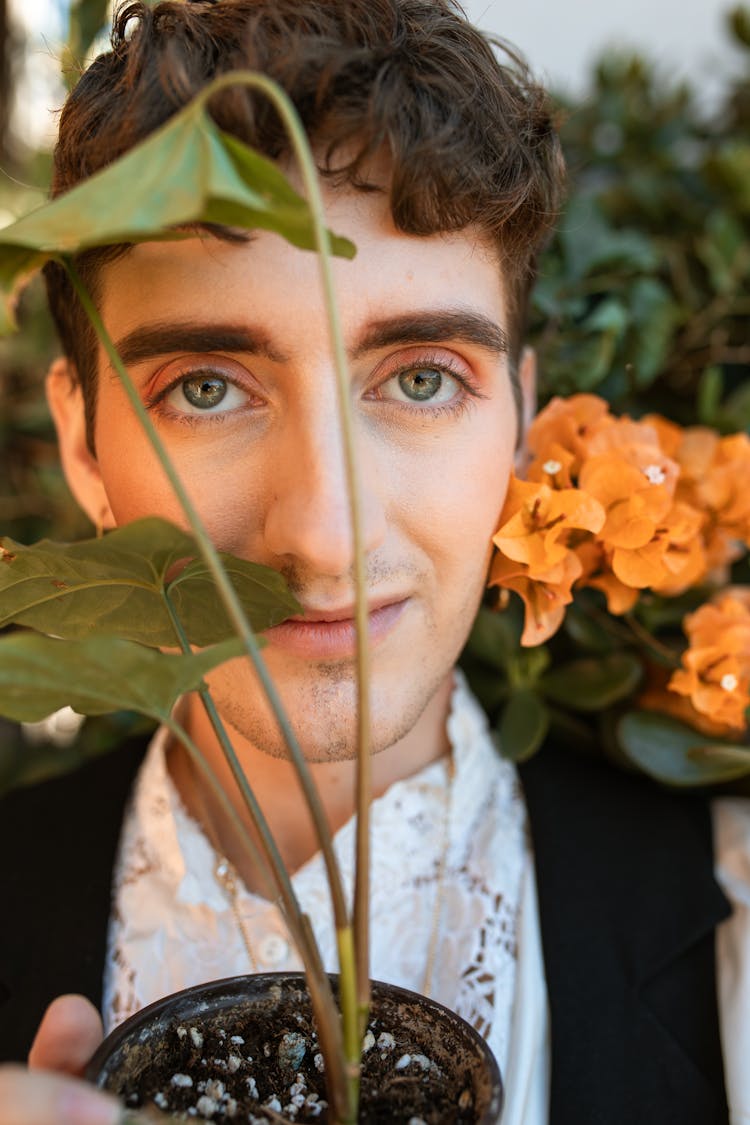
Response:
column 330, row 634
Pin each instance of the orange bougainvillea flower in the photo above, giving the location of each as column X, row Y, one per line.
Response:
column 539, row 528
column 715, row 673
column 544, row 599
column 537, row 521
column 567, row 425
column 672, row 560
column 658, row 697
column 597, row 573
column 713, row 475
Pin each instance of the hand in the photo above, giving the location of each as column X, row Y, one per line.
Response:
column 50, row 1091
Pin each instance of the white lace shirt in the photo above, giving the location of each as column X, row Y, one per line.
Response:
column 173, row 926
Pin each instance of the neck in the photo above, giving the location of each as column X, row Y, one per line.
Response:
column 277, row 790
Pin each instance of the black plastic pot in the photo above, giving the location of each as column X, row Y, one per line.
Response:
column 222, row 1050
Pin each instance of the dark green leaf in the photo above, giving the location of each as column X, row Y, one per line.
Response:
column 116, row 585
column 496, row 636
column 585, row 629
column 710, row 392
column 673, row 753
column 523, row 726
column 38, row 675
column 735, row 413
column 655, row 317
column 723, row 250
column 186, row 172
column 592, row 685
column 590, row 243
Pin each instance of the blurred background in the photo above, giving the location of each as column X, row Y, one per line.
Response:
column 643, row 294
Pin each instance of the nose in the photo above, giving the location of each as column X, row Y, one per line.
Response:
column 308, row 518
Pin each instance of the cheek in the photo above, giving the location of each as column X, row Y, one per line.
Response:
column 452, row 503
column 137, row 486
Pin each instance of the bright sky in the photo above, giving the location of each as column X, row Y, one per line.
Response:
column 559, row 39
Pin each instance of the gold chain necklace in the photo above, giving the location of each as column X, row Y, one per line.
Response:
column 229, row 881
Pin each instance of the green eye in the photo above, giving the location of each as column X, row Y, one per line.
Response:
column 420, row 384
column 204, row 391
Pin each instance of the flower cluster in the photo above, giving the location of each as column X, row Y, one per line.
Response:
column 624, row 507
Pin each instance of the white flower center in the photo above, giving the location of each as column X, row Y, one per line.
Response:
column 655, row 474
column 552, row 467
column 729, row 682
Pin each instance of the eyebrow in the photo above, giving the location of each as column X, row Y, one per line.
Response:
column 436, row 328
column 439, row 326
column 158, row 339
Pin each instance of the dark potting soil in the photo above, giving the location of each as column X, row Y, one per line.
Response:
column 231, row 1066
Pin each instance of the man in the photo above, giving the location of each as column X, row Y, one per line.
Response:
column 443, row 167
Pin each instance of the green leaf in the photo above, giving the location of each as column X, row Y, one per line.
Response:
column 585, row 630
column 677, row 755
column 186, row 172
column 118, row 584
column 655, row 316
column 592, row 685
column 523, row 726
column 710, row 392
column 590, row 243
column 496, row 636
column 735, row 413
column 38, row 675
column 723, row 251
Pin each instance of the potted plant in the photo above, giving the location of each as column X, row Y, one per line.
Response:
column 97, row 615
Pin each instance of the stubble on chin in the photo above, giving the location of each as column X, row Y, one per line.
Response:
column 323, row 713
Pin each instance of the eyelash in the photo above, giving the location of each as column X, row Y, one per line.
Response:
column 455, row 407
column 156, row 402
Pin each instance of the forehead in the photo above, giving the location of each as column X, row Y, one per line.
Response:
column 265, row 281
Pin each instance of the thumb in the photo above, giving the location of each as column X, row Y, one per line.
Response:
column 68, row 1035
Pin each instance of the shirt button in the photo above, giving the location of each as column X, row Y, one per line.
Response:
column 272, row 949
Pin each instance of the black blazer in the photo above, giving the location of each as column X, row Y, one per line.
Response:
column 628, row 907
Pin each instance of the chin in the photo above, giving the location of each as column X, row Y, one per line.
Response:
column 321, row 709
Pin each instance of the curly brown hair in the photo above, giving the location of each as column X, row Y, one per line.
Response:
column 470, row 138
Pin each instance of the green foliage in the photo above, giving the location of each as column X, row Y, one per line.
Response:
column 645, row 291
column 123, row 585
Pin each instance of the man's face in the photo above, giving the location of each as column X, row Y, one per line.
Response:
column 229, row 346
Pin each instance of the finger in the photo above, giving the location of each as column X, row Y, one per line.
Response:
column 68, row 1035
column 36, row 1098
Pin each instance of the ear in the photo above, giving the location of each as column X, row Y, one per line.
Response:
column 527, row 381
column 79, row 464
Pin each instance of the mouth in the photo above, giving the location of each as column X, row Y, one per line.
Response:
column 331, row 634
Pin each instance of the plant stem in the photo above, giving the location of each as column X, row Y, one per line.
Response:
column 270, row 863
column 650, row 641
column 308, row 169
column 320, row 991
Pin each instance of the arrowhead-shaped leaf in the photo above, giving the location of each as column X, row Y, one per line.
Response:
column 39, row 674
column 186, row 172
column 116, row 586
